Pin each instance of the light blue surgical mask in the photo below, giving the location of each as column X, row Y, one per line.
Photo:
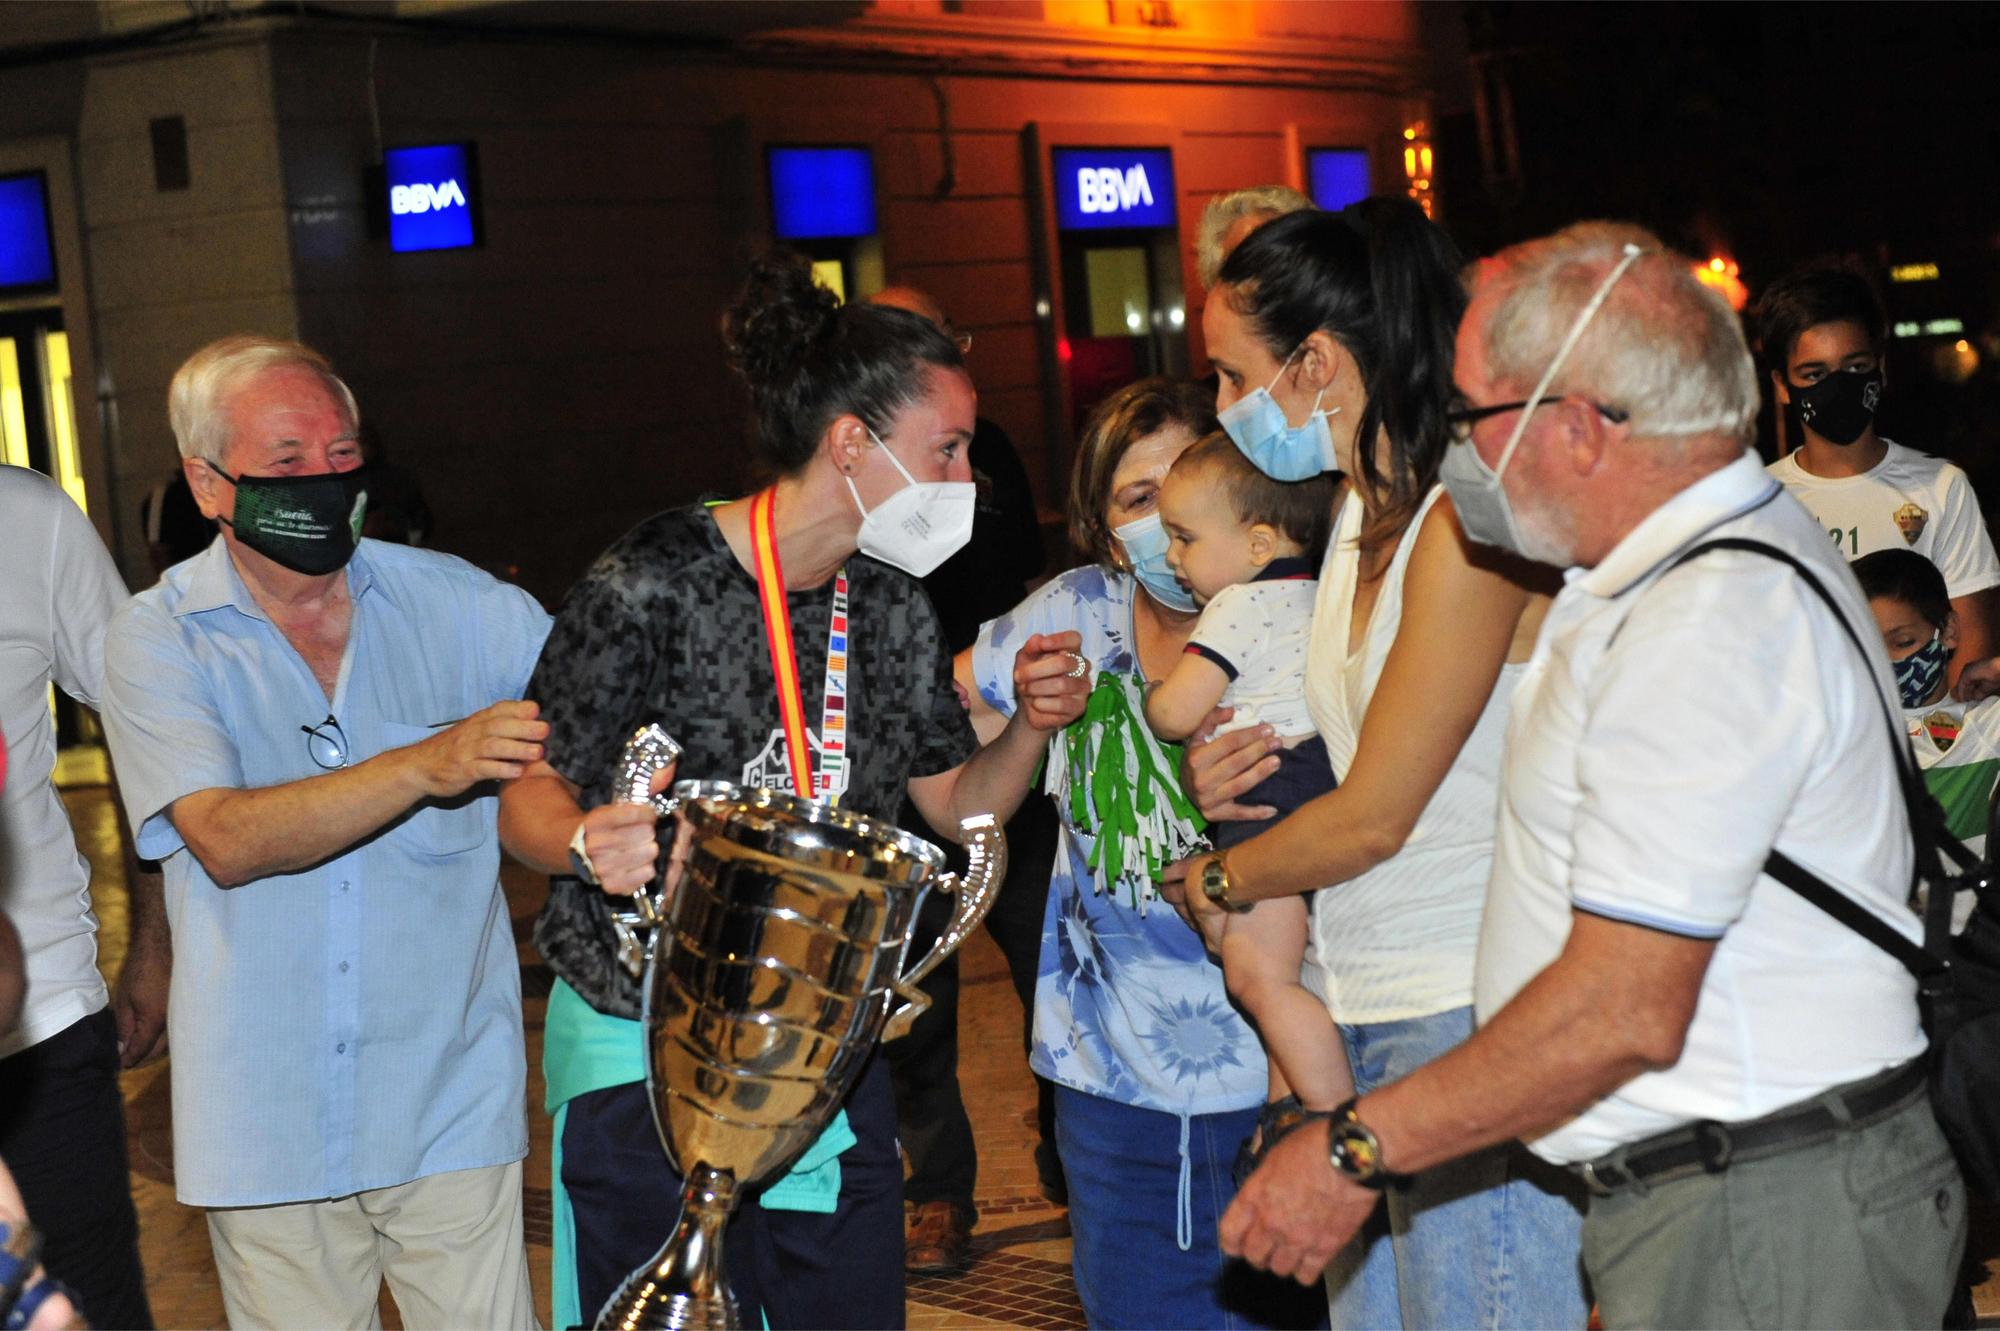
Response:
column 1283, row 451
column 1145, row 542
column 1484, row 512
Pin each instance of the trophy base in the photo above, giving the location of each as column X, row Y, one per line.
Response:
column 684, row 1287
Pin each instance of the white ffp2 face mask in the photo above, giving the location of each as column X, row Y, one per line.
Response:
column 921, row 525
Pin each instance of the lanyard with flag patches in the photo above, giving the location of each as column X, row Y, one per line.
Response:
column 785, row 666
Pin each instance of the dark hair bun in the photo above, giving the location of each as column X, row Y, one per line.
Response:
column 809, row 359
column 778, row 316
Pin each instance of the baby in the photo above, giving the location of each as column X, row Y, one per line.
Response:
column 1248, row 549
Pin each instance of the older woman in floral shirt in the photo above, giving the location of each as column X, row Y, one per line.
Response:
column 1158, row 1078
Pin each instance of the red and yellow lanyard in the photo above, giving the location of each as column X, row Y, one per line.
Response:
column 785, row 664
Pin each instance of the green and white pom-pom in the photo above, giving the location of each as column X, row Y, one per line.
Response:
column 1121, row 785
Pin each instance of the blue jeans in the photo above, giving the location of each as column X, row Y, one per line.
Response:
column 1146, row 1191
column 1491, row 1240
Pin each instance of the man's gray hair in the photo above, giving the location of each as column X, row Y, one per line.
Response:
column 1222, row 212
column 1663, row 348
column 201, row 387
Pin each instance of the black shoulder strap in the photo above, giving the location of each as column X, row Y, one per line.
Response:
column 1927, row 823
column 1920, row 961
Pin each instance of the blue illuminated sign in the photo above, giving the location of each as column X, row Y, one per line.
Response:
column 433, row 197
column 27, row 253
column 1337, row 176
column 821, row 193
column 1113, row 187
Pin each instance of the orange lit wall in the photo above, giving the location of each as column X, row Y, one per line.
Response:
column 566, row 380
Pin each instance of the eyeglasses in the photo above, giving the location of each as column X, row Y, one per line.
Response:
column 1461, row 419
column 326, row 744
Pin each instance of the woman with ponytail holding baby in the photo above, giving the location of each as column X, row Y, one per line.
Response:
column 1332, row 335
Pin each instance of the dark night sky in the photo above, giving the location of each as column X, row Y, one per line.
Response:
column 1773, row 133
column 1783, row 129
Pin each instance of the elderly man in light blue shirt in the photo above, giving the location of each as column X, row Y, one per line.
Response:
column 309, row 729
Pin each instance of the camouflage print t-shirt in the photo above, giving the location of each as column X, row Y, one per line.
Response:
column 665, row 627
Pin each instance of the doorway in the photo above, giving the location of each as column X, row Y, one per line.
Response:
column 38, row 430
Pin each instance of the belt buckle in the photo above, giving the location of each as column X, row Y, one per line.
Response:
column 1713, row 1144
column 1599, row 1185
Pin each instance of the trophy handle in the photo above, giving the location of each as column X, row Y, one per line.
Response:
column 650, row 751
column 986, row 849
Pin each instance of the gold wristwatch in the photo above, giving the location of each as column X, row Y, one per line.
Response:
column 1215, row 886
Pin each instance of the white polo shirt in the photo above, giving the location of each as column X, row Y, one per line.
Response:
column 1907, row 501
column 1257, row 633
column 1667, row 732
column 55, row 603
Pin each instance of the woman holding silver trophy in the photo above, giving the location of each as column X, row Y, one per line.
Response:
column 735, row 627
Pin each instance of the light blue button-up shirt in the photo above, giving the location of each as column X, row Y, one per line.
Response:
column 356, row 1024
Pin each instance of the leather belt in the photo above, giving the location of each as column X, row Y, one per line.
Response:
column 1709, row 1147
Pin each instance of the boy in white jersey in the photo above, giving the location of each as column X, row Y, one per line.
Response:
column 1248, row 548
column 1957, row 744
column 1820, row 331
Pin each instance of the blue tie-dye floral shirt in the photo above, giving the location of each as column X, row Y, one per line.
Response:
column 1128, row 1005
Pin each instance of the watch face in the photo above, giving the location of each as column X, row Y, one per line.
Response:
column 1358, row 1151
column 1354, row 1152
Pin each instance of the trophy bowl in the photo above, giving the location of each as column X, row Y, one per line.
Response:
column 772, row 973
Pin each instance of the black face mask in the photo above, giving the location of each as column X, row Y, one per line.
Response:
column 308, row 524
column 1839, row 407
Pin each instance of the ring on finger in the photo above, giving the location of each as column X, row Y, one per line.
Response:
column 1080, row 669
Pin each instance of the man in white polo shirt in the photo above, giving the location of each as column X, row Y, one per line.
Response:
column 62, row 1124
column 1737, row 1076
column 1821, row 332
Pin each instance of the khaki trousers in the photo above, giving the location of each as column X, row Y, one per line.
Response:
column 1864, row 1230
column 450, row 1246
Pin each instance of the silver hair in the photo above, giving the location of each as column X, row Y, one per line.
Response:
column 1222, row 212
column 1663, row 348
column 201, row 387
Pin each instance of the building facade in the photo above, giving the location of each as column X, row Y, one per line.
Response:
column 1038, row 165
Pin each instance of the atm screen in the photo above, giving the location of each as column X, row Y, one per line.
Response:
column 433, row 196
column 27, row 252
column 1101, row 188
column 821, row 193
column 1337, row 176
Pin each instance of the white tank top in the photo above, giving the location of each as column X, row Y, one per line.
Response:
column 1397, row 941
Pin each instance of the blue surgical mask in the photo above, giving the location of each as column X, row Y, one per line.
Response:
column 1145, row 542
column 1917, row 674
column 1279, row 449
column 1484, row 512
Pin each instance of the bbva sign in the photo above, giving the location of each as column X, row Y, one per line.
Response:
column 424, row 198
column 1106, row 189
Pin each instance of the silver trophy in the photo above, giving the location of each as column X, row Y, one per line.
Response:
column 773, row 970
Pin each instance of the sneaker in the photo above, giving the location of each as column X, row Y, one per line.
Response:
column 939, row 1239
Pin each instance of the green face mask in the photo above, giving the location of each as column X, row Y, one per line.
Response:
column 308, row 524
